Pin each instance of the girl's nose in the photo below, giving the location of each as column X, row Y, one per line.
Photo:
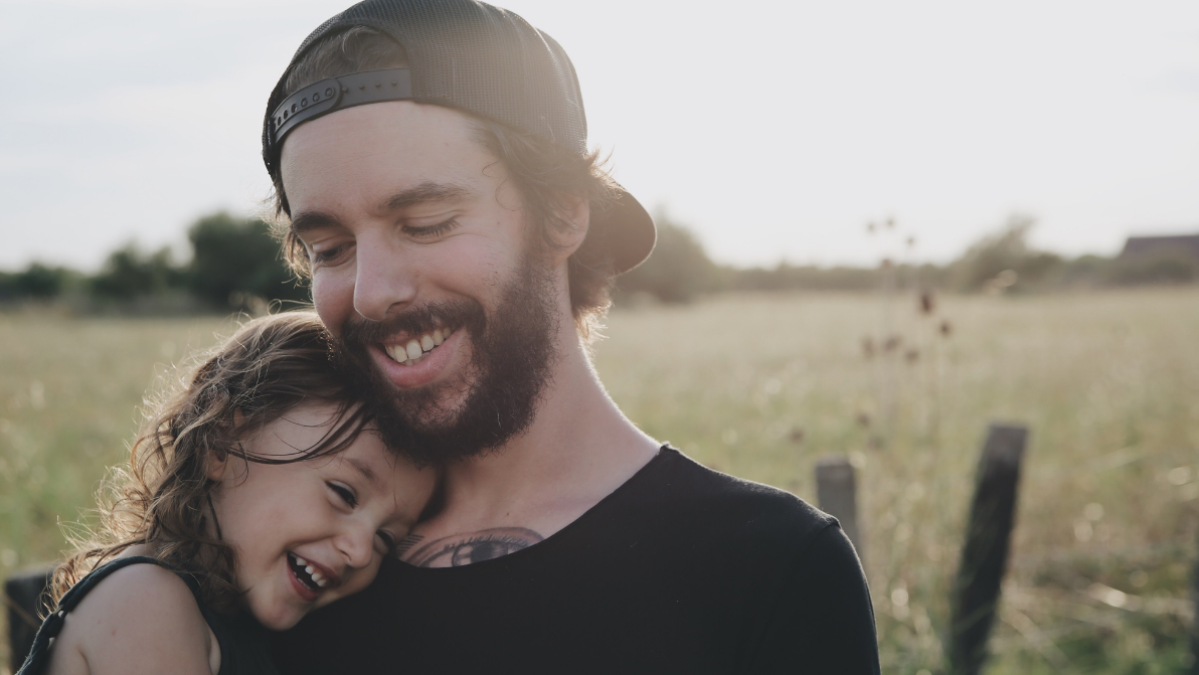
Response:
column 357, row 545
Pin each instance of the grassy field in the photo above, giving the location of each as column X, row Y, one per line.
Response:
column 762, row 387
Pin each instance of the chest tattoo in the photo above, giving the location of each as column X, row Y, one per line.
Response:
column 404, row 545
column 471, row 547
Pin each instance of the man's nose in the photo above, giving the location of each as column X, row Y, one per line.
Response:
column 383, row 281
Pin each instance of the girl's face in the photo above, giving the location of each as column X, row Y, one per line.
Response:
column 315, row 531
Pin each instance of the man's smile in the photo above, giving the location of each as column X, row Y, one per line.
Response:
column 412, row 351
column 412, row 361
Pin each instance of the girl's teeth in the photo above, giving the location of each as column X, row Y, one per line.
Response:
column 300, row 561
column 308, row 569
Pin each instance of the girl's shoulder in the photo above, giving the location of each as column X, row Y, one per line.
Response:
column 140, row 618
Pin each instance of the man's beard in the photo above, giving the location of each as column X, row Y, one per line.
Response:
column 512, row 356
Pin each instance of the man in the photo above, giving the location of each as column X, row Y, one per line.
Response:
column 430, row 163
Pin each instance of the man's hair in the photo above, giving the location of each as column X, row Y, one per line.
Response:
column 548, row 178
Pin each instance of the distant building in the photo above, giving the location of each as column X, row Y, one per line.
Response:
column 1137, row 247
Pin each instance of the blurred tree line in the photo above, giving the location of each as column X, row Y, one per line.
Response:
column 1005, row 258
column 1002, row 261
column 236, row 265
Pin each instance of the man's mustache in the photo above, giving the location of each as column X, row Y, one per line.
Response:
column 469, row 314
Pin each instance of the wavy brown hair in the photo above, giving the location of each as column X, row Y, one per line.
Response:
column 162, row 499
column 548, row 177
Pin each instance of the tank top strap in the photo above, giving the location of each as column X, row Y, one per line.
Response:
column 39, row 655
column 73, row 597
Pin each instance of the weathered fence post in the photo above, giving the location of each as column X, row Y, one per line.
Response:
column 1195, row 620
column 836, row 495
column 984, row 554
column 23, row 595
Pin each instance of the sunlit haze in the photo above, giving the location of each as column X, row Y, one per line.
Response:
column 776, row 130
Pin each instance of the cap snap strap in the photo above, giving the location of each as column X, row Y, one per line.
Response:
column 338, row 93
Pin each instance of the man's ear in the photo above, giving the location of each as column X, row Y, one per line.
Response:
column 575, row 214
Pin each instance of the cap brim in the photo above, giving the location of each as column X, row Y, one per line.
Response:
column 625, row 229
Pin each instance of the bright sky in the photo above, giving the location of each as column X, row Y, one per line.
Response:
column 775, row 130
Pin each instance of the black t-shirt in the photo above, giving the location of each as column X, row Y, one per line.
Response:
column 680, row 570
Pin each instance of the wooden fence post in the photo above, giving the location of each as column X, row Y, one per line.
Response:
column 23, row 597
column 984, row 554
column 836, row 495
column 1195, row 620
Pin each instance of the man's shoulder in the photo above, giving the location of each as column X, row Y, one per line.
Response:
column 679, row 491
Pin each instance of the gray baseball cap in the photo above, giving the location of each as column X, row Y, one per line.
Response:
column 477, row 58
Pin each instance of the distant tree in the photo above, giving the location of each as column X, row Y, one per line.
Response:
column 1086, row 270
column 40, row 281
column 235, row 259
column 1005, row 254
column 36, row 282
column 676, row 271
column 128, row 273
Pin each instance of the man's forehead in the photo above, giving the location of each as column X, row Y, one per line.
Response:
column 388, row 155
column 380, row 127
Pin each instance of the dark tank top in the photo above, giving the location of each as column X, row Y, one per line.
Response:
column 243, row 642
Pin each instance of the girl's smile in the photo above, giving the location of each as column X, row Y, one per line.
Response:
column 311, row 577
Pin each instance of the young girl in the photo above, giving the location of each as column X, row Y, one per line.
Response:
column 256, row 494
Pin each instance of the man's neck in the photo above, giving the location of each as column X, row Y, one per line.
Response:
column 577, row 451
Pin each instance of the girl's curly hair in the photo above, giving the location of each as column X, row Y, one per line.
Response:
column 161, row 500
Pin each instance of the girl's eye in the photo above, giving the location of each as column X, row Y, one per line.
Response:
column 346, row 494
column 433, row 231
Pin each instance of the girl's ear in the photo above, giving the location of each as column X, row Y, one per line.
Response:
column 217, row 462
column 215, row 465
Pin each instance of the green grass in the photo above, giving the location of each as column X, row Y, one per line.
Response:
column 762, row 387
column 70, row 392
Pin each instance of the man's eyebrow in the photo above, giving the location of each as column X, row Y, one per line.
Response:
column 427, row 191
column 312, row 220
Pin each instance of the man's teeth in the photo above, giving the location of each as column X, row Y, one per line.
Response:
column 415, row 349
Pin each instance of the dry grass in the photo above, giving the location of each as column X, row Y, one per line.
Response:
column 761, row 387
